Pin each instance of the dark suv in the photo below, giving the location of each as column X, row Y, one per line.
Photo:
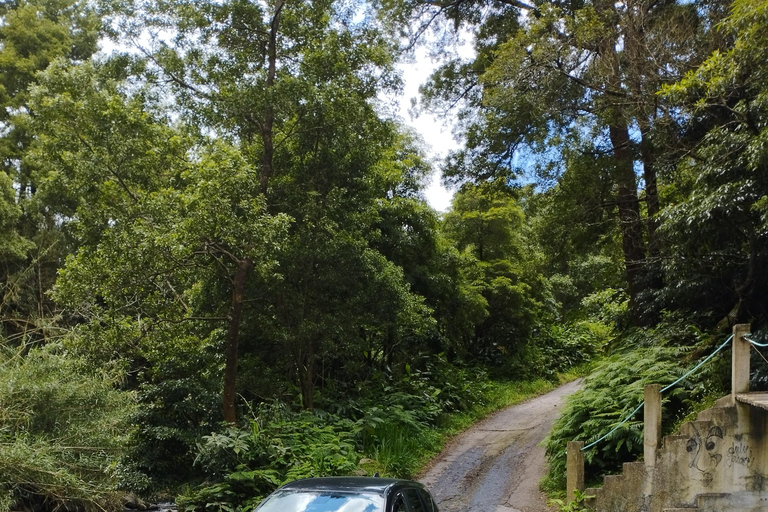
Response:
column 349, row 494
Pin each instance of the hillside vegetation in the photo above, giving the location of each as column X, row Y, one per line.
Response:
column 219, row 272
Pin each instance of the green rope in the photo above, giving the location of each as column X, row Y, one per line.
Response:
column 710, row 356
column 616, row 427
column 756, row 343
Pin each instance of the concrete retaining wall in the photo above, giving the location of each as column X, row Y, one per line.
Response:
column 720, row 459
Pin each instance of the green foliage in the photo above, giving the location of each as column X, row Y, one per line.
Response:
column 251, row 132
column 387, row 426
column 12, row 245
column 577, row 505
column 426, row 389
column 397, row 417
column 607, row 306
column 566, row 346
column 33, row 35
column 63, row 429
column 179, row 404
column 390, row 430
column 32, row 245
column 615, row 389
column 717, row 229
column 162, row 224
column 410, row 235
column 277, row 447
column 487, row 221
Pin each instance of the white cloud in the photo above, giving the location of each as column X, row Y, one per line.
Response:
column 435, row 132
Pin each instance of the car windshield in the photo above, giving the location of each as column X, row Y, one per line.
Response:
column 321, row 501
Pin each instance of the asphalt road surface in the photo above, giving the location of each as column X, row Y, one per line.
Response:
column 496, row 465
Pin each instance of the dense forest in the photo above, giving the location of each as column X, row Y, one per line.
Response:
column 219, row 273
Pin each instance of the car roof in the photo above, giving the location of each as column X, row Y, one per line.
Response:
column 374, row 485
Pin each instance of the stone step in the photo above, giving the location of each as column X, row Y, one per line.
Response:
column 671, row 441
column 627, row 491
column 742, row 501
column 694, row 429
column 612, row 480
column 719, row 415
column 612, row 484
column 592, row 495
column 726, row 401
column 633, row 470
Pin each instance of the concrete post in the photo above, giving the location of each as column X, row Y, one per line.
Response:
column 652, row 423
column 575, row 469
column 740, row 361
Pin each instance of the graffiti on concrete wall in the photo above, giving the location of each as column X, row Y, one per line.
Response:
column 705, row 449
column 739, row 454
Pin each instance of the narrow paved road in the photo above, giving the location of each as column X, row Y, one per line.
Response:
column 496, row 465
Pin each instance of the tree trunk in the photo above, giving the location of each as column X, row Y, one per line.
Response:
column 269, row 112
column 643, row 80
column 630, row 222
column 308, row 379
column 653, row 273
column 651, row 187
column 235, row 315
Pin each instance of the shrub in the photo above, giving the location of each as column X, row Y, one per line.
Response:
column 62, row 431
column 564, row 347
column 276, row 447
column 387, row 425
column 173, row 416
column 607, row 306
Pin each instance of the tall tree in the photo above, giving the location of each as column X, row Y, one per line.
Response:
column 32, row 35
column 166, row 227
column 411, row 235
column 717, row 227
column 13, row 250
column 576, row 231
column 565, row 68
column 293, row 86
column 487, row 220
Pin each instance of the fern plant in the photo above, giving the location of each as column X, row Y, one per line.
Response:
column 609, row 395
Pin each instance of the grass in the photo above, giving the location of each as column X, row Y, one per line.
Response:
column 579, row 371
column 501, row 394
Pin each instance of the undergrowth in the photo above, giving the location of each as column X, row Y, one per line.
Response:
column 62, row 431
column 393, row 435
column 615, row 388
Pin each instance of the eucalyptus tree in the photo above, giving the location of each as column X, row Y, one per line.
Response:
column 547, row 74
